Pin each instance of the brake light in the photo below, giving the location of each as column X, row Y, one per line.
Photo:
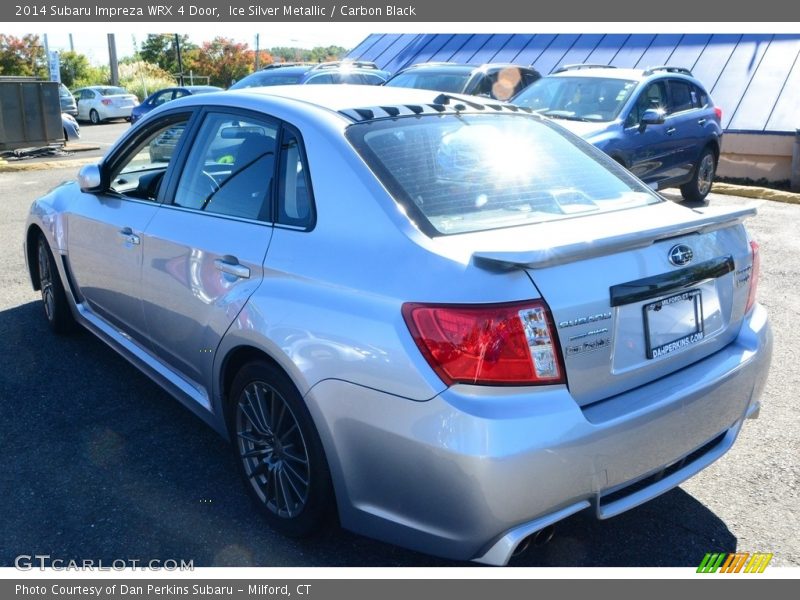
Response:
column 718, row 112
column 496, row 344
column 105, row 101
column 754, row 273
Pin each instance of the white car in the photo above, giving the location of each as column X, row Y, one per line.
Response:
column 99, row 103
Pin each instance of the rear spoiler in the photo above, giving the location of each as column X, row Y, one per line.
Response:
column 709, row 220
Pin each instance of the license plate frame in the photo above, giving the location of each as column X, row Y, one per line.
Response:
column 684, row 306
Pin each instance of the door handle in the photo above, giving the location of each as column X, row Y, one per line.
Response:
column 231, row 266
column 670, row 131
column 701, row 121
column 129, row 236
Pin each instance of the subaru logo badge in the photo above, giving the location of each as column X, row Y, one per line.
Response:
column 680, row 255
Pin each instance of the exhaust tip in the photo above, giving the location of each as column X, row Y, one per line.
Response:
column 538, row 538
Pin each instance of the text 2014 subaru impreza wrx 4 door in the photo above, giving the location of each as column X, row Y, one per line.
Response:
column 445, row 319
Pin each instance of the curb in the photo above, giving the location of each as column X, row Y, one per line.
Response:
column 6, row 167
column 759, row 193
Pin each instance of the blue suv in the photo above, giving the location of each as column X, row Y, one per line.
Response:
column 660, row 122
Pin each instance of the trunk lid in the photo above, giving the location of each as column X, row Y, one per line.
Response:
column 637, row 294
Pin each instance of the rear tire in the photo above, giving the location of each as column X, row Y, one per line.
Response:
column 702, row 178
column 94, row 117
column 54, row 298
column 278, row 451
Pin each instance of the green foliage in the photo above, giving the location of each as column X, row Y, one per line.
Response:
column 92, row 76
column 74, row 66
column 142, row 78
column 316, row 54
column 23, row 56
column 159, row 49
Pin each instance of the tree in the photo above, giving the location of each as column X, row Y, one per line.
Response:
column 22, row 56
column 224, row 61
column 74, row 67
column 159, row 49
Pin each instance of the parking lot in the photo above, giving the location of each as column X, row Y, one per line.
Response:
column 102, row 464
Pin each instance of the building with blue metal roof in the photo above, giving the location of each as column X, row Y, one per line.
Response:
column 754, row 78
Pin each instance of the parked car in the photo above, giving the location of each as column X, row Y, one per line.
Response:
column 72, row 130
column 67, row 101
column 495, row 80
column 340, row 71
column 100, row 103
column 660, row 122
column 166, row 95
column 452, row 322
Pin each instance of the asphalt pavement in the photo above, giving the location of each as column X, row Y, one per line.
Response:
column 99, row 463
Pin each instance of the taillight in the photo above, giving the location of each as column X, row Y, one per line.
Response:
column 105, row 101
column 754, row 273
column 718, row 112
column 495, row 344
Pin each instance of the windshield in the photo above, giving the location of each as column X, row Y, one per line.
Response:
column 450, row 80
column 577, row 98
column 461, row 173
column 267, row 78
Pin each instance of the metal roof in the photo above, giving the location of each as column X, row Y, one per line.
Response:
column 754, row 78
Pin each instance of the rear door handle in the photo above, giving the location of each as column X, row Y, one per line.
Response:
column 701, row 121
column 670, row 131
column 129, row 236
column 230, row 265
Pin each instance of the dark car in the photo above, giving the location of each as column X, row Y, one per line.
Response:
column 67, row 100
column 660, row 122
column 494, row 80
column 344, row 71
column 166, row 95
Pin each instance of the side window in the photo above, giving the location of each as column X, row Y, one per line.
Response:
column 139, row 174
column 371, row 79
column 699, row 97
column 230, row 168
column 180, row 94
column 653, row 96
column 162, row 98
column 87, row 95
column 681, row 98
column 295, row 204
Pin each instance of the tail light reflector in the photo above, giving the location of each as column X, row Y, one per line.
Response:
column 718, row 112
column 496, row 344
column 106, row 101
column 754, row 274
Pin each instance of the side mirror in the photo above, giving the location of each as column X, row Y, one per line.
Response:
column 653, row 116
column 90, row 178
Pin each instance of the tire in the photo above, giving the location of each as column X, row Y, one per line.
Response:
column 94, row 117
column 702, row 178
column 54, row 298
column 278, row 451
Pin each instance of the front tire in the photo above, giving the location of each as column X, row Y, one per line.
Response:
column 278, row 450
column 94, row 117
column 702, row 178
column 54, row 298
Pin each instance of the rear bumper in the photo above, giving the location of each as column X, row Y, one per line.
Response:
column 114, row 112
column 470, row 473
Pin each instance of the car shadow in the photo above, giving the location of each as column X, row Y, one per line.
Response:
column 101, row 464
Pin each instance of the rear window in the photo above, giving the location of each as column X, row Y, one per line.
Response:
column 268, row 78
column 112, row 91
column 450, row 80
column 462, row 173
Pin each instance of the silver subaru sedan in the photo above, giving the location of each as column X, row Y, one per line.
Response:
column 443, row 319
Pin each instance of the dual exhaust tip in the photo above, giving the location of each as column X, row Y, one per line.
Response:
column 538, row 538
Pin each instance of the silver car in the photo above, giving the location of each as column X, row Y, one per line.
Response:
column 444, row 319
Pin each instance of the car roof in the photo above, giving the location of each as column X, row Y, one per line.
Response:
column 343, row 97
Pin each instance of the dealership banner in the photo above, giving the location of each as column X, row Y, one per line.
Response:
column 394, row 589
column 441, row 11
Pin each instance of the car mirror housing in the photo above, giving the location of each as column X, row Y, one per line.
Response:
column 653, row 116
column 90, row 178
